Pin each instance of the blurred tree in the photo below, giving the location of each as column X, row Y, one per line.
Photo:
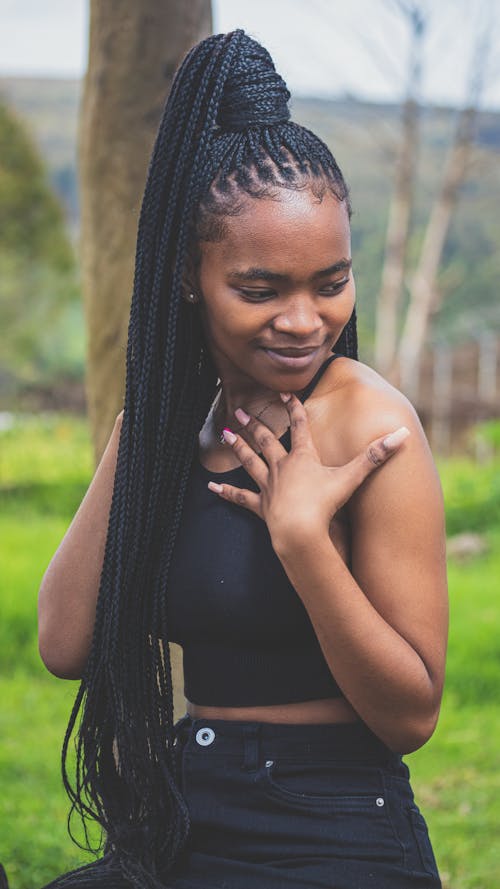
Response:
column 134, row 51
column 401, row 204
column 398, row 355
column 37, row 267
column 423, row 288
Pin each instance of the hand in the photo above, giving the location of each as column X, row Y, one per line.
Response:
column 296, row 490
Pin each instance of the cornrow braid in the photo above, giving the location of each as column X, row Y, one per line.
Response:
column 225, row 135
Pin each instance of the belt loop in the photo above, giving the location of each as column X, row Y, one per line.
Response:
column 251, row 748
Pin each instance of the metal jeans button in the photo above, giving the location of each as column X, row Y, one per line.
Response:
column 205, row 736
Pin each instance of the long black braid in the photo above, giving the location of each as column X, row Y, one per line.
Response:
column 225, row 135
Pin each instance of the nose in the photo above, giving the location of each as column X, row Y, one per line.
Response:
column 300, row 317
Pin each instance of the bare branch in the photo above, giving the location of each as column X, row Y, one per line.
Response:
column 392, row 282
column 423, row 289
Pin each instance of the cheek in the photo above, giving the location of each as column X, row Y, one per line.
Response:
column 343, row 305
column 227, row 322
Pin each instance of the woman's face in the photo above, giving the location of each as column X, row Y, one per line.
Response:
column 280, row 279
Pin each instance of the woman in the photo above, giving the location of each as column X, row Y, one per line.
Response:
column 285, row 527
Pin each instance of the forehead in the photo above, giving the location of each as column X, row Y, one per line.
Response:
column 293, row 231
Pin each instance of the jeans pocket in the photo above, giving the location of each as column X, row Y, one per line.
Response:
column 422, row 841
column 315, row 783
column 322, row 783
column 344, row 804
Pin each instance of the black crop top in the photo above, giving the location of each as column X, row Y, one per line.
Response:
column 246, row 636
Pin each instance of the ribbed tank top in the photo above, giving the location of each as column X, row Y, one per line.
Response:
column 246, row 637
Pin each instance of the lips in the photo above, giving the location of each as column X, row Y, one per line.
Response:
column 293, row 353
column 292, row 358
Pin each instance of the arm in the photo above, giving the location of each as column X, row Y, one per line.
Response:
column 70, row 586
column 382, row 625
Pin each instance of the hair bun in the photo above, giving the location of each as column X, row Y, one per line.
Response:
column 254, row 93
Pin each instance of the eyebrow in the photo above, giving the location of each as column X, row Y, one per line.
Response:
column 259, row 274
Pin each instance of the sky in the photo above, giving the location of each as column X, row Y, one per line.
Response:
column 321, row 47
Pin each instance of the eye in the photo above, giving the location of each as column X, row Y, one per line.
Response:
column 256, row 295
column 334, row 287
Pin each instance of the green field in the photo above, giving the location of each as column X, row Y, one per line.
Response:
column 45, row 467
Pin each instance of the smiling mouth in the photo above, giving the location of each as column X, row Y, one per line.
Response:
column 290, row 357
column 293, row 353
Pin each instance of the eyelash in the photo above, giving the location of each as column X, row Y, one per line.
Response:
column 258, row 295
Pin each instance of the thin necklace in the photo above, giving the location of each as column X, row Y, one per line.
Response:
column 220, row 433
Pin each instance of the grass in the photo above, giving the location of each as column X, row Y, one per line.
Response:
column 34, row 843
column 456, row 776
column 45, row 467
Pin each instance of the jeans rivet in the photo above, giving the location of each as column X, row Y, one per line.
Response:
column 205, row 736
column 269, row 762
column 379, row 801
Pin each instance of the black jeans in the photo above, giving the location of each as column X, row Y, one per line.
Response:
column 291, row 805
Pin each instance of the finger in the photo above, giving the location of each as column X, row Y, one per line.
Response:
column 384, row 447
column 300, row 430
column 240, row 496
column 264, row 438
column 377, row 453
column 251, row 462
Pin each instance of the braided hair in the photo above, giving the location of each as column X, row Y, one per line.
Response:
column 225, row 134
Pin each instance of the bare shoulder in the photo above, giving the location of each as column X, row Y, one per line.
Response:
column 358, row 405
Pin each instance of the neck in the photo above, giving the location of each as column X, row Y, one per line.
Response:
column 254, row 401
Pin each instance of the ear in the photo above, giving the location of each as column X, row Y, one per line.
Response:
column 190, row 283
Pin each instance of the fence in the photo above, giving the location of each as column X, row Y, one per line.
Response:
column 459, row 386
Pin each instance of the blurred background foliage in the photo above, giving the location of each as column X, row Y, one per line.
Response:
column 40, row 309
column 45, row 467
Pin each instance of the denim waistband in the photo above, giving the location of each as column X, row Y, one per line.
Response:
column 347, row 741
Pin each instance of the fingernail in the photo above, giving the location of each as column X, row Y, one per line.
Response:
column 215, row 487
column 395, row 438
column 229, row 436
column 242, row 416
column 285, row 396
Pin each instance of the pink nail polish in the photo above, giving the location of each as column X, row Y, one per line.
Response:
column 229, row 436
column 242, row 416
column 215, row 487
column 395, row 438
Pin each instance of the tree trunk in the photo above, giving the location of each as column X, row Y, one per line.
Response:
column 423, row 287
column 423, row 284
column 134, row 50
column 391, row 287
column 393, row 272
